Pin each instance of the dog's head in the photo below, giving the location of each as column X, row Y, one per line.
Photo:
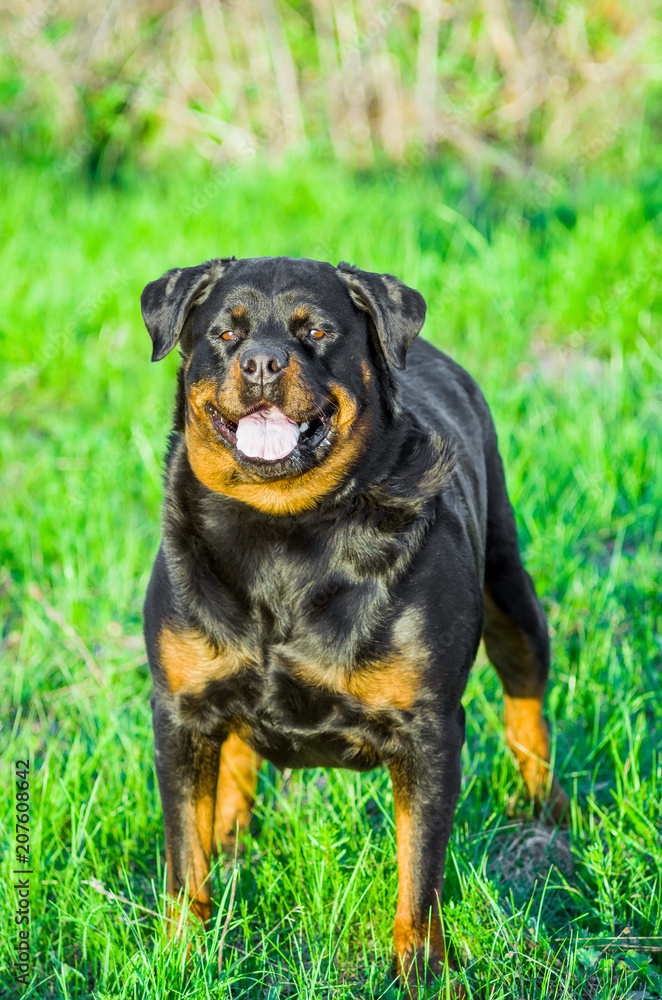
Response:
column 286, row 369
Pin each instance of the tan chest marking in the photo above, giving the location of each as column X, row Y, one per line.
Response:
column 189, row 662
column 391, row 682
column 215, row 467
column 386, row 684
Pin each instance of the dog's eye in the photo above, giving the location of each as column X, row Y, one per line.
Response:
column 316, row 334
column 228, row 335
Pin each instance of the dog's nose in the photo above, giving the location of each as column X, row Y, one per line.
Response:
column 262, row 365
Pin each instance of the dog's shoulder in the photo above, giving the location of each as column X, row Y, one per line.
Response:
column 443, row 395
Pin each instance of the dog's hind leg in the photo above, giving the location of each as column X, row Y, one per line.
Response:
column 235, row 793
column 517, row 644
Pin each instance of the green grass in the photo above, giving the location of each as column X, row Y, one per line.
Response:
column 561, row 327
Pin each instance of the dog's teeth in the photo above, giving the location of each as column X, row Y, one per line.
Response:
column 303, row 428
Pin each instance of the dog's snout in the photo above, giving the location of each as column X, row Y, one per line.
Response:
column 261, row 365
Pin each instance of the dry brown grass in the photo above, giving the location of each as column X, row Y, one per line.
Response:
column 504, row 83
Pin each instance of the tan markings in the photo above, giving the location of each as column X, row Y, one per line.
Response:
column 211, row 462
column 366, row 373
column 239, row 312
column 300, row 314
column 296, row 398
column 512, row 653
column 393, row 681
column 412, row 930
column 201, row 393
column 235, row 795
column 190, row 662
column 390, row 683
column 528, row 738
column 411, row 935
column 404, row 927
column 198, row 884
column 197, row 820
column 215, row 467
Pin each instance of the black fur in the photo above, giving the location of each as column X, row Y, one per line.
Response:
column 389, row 565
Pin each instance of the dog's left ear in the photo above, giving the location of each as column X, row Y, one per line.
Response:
column 397, row 311
column 168, row 302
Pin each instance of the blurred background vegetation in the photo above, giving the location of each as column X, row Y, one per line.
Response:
column 519, row 87
column 504, row 157
column 502, row 113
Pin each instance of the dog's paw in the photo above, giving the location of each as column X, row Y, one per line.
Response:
column 421, row 973
column 550, row 806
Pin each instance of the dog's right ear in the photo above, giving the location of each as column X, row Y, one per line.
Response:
column 168, row 302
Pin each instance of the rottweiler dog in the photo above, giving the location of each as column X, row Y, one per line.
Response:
column 337, row 538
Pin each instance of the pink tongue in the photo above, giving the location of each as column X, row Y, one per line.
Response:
column 267, row 434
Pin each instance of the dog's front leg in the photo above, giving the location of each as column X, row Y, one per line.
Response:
column 187, row 769
column 235, row 792
column 426, row 786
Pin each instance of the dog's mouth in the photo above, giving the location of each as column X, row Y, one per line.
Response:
column 267, row 435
